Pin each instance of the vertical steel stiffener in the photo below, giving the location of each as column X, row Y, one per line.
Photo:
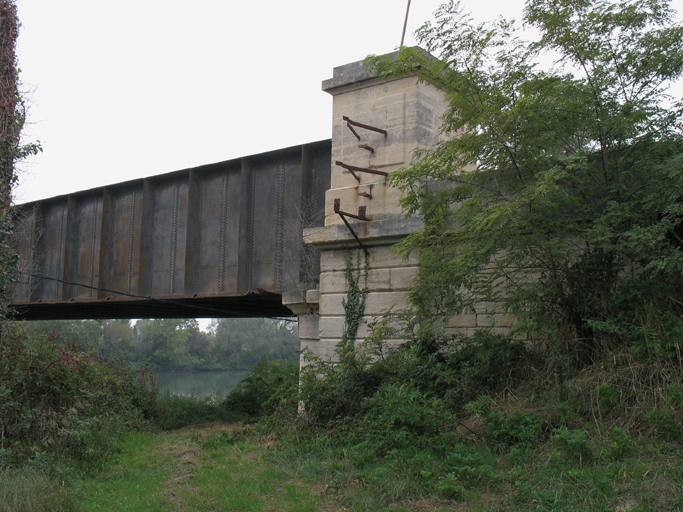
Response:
column 225, row 236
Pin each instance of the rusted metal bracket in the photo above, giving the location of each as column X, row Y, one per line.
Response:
column 353, row 170
column 361, row 216
column 350, row 123
column 365, row 146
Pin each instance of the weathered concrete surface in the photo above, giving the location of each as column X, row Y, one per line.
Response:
column 410, row 112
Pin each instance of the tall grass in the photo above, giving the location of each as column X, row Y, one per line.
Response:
column 30, row 490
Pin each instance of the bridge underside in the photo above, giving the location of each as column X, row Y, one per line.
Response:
column 221, row 240
column 253, row 305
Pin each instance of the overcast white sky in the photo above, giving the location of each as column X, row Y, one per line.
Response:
column 130, row 88
column 124, row 89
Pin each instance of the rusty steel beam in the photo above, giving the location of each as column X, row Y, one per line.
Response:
column 218, row 240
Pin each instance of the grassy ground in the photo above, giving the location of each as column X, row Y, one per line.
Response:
column 219, row 468
column 211, row 468
column 227, row 468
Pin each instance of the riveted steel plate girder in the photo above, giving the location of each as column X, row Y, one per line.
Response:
column 219, row 240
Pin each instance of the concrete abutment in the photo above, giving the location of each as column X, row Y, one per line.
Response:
column 377, row 126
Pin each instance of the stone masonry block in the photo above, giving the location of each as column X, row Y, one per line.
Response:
column 495, row 320
column 376, row 94
column 392, row 196
column 403, row 278
column 379, row 279
column 313, row 296
column 382, row 256
column 456, row 331
column 309, row 327
column 480, row 308
column 333, row 282
column 502, row 331
column 467, row 320
column 331, row 304
column 495, row 308
column 379, row 302
column 324, row 349
column 332, row 327
column 485, row 321
column 335, row 259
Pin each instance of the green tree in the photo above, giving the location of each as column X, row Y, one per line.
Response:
column 559, row 192
column 85, row 334
column 165, row 342
column 240, row 343
column 117, row 336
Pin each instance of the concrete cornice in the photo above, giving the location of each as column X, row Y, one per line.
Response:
column 355, row 74
column 376, row 232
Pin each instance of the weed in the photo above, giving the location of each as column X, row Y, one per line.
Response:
column 621, row 444
column 575, row 444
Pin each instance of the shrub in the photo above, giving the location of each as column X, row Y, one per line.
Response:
column 575, row 444
column 178, row 411
column 401, row 415
column 501, row 431
column 453, row 370
column 61, row 401
column 485, row 363
column 334, row 391
column 270, row 387
column 621, row 444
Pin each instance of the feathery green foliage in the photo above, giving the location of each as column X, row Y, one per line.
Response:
column 559, row 192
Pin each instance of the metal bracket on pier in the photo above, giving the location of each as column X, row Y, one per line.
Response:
column 350, row 123
column 353, row 170
column 361, row 216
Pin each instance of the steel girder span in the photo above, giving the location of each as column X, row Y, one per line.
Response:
column 220, row 240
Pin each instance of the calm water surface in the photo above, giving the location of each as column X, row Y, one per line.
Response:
column 198, row 383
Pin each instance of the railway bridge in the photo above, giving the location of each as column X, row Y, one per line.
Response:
column 219, row 240
column 263, row 235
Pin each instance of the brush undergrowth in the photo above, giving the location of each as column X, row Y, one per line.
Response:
column 482, row 422
column 59, row 402
column 486, row 421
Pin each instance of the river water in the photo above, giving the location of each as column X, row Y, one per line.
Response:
column 198, row 383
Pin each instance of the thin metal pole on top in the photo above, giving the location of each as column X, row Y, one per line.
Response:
column 405, row 24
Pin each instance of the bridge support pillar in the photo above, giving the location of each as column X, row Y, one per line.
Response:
column 306, row 306
column 377, row 125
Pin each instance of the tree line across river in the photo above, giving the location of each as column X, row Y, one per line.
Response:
column 173, row 344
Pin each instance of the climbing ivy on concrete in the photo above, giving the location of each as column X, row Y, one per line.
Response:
column 356, row 297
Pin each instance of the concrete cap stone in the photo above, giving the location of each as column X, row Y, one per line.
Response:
column 355, row 72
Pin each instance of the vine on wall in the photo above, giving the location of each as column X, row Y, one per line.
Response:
column 354, row 304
